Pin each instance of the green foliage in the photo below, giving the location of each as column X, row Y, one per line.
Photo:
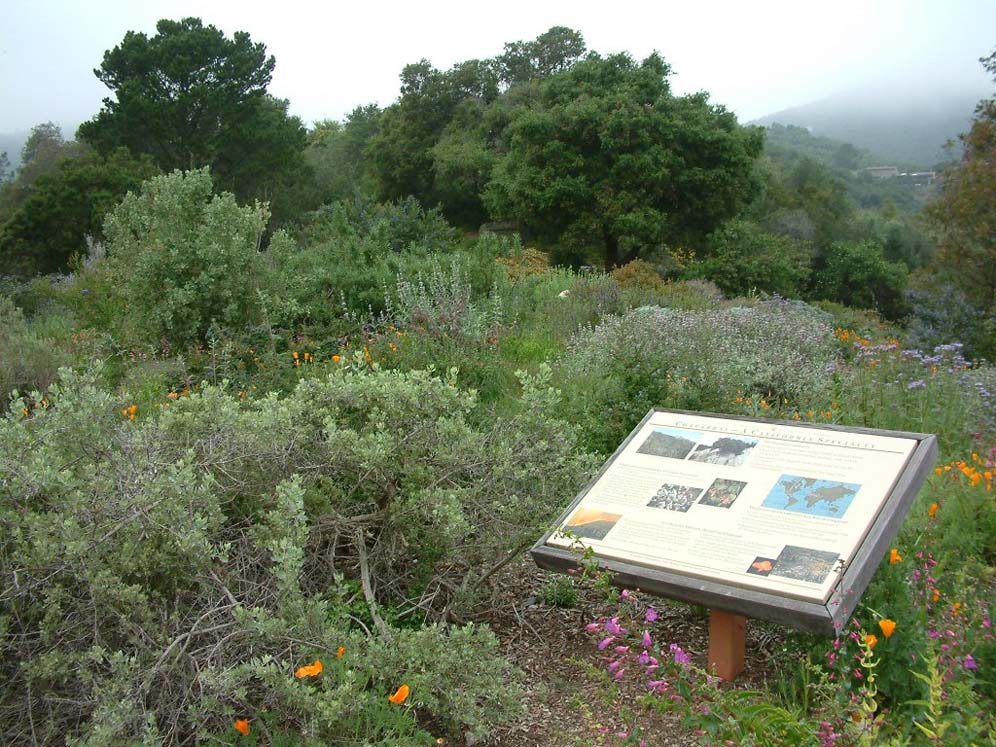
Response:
column 966, row 208
column 337, row 154
column 549, row 53
column 695, row 360
column 859, row 275
column 191, row 97
column 609, row 162
column 29, row 362
column 402, row 149
column 66, row 207
column 208, row 578
column 183, row 260
column 559, row 591
column 355, row 249
column 743, row 258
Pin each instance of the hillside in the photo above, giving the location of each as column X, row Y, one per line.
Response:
column 909, row 130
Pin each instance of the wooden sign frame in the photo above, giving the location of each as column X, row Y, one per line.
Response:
column 826, row 617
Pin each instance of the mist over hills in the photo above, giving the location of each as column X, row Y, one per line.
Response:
column 11, row 144
column 906, row 127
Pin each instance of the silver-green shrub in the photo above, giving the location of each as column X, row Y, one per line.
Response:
column 182, row 258
column 696, row 360
column 163, row 576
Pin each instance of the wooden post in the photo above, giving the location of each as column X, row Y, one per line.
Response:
column 726, row 643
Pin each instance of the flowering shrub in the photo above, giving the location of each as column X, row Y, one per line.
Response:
column 166, row 570
column 698, row 360
column 892, row 387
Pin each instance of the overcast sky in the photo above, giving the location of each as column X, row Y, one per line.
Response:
column 754, row 57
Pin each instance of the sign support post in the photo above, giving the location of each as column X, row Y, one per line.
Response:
column 727, row 633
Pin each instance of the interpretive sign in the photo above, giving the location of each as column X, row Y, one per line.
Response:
column 771, row 519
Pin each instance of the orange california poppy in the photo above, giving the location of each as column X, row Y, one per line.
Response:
column 871, row 639
column 311, row 670
column 242, row 726
column 894, row 556
column 400, row 695
column 887, row 626
column 336, row 358
column 340, row 651
column 936, row 595
column 762, row 565
column 932, row 510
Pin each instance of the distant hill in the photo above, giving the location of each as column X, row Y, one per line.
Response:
column 903, row 128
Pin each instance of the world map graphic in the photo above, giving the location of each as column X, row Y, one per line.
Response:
column 812, row 496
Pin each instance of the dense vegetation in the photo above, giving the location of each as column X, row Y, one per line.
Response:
column 276, row 424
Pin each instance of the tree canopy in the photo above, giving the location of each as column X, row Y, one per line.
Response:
column 609, row 162
column 64, row 207
column 966, row 209
column 191, row 97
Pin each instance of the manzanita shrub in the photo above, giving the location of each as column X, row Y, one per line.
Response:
column 166, row 570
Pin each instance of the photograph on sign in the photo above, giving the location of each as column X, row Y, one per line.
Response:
column 768, row 506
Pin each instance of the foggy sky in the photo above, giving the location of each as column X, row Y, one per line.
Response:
column 754, row 58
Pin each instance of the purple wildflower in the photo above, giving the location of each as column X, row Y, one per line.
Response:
column 970, row 662
column 651, row 615
column 680, row 657
column 604, row 643
column 647, row 641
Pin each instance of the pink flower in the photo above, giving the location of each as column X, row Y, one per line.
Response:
column 592, row 627
column 604, row 643
column 970, row 662
column 625, row 593
column 621, row 649
column 651, row 615
column 647, row 642
column 644, row 658
column 613, row 626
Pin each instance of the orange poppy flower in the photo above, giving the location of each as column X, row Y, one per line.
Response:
column 311, row 670
column 932, row 510
column 336, row 358
column 762, row 565
column 894, row 556
column 340, row 651
column 400, row 695
column 936, row 595
column 871, row 639
column 888, row 627
column 242, row 726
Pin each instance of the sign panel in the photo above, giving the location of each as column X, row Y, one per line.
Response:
column 778, row 509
